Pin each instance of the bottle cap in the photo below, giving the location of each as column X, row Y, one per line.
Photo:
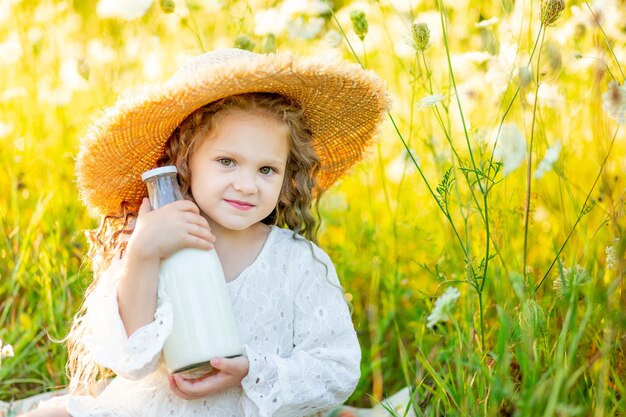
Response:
column 168, row 169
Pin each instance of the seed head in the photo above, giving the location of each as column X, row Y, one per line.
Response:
column 359, row 21
column 168, row 6
column 244, row 42
column 421, row 36
column 570, row 279
column 551, row 11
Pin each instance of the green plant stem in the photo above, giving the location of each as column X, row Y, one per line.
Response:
column 194, row 29
column 406, row 146
column 529, row 165
column 582, row 212
column 475, row 168
column 430, row 190
column 606, row 40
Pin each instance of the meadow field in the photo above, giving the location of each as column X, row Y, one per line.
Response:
column 481, row 241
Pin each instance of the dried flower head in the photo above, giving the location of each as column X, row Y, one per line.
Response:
column 421, row 36
column 551, row 11
column 532, row 318
column 614, row 102
column 443, row 306
column 569, row 280
column 359, row 22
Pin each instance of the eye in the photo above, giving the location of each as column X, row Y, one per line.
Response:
column 226, row 162
column 266, row 170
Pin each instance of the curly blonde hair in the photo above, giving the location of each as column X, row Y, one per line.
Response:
column 297, row 207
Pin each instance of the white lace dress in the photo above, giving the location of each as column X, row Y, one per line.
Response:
column 294, row 323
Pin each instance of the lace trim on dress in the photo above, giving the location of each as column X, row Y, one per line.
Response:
column 131, row 357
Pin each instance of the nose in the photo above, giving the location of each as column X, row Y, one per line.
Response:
column 245, row 183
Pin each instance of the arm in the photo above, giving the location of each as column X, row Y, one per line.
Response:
column 157, row 235
column 128, row 316
column 323, row 368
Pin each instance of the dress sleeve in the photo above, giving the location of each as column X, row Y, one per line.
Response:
column 323, row 368
column 130, row 357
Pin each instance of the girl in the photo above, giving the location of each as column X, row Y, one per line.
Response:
column 255, row 139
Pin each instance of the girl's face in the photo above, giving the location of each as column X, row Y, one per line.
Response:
column 237, row 169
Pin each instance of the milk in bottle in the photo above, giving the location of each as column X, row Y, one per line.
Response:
column 204, row 325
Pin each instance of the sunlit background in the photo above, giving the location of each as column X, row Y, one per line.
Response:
column 481, row 241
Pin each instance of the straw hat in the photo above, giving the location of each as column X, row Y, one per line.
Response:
column 342, row 105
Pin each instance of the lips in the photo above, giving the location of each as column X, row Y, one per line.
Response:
column 240, row 205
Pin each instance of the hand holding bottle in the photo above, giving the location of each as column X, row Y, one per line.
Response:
column 162, row 232
column 230, row 373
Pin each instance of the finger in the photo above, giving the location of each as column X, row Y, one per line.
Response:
column 203, row 386
column 186, row 205
column 176, row 390
column 191, row 241
column 199, row 231
column 234, row 366
column 196, row 219
column 144, row 208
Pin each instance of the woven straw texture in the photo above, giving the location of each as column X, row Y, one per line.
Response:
column 342, row 103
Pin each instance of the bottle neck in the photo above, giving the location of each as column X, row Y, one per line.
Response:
column 163, row 189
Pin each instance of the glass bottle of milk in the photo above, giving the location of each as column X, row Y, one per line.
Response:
column 204, row 325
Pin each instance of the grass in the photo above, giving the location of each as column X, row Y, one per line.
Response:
column 430, row 207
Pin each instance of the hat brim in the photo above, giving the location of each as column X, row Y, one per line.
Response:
column 342, row 104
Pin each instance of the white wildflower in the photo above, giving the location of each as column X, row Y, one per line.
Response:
column 510, row 148
column 443, row 307
column 10, row 51
column 6, row 11
column 614, row 102
column 548, row 94
column 99, row 53
column 270, row 21
column 333, row 38
column 152, row 68
column 300, row 17
column 501, row 67
column 5, row 129
column 35, row 35
column 487, row 22
column 432, row 100
column 305, row 28
column 304, row 7
column 469, row 59
column 55, row 96
column 12, row 94
column 70, row 76
column 611, row 255
column 551, row 156
column 7, row 351
column 401, row 166
column 123, row 9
